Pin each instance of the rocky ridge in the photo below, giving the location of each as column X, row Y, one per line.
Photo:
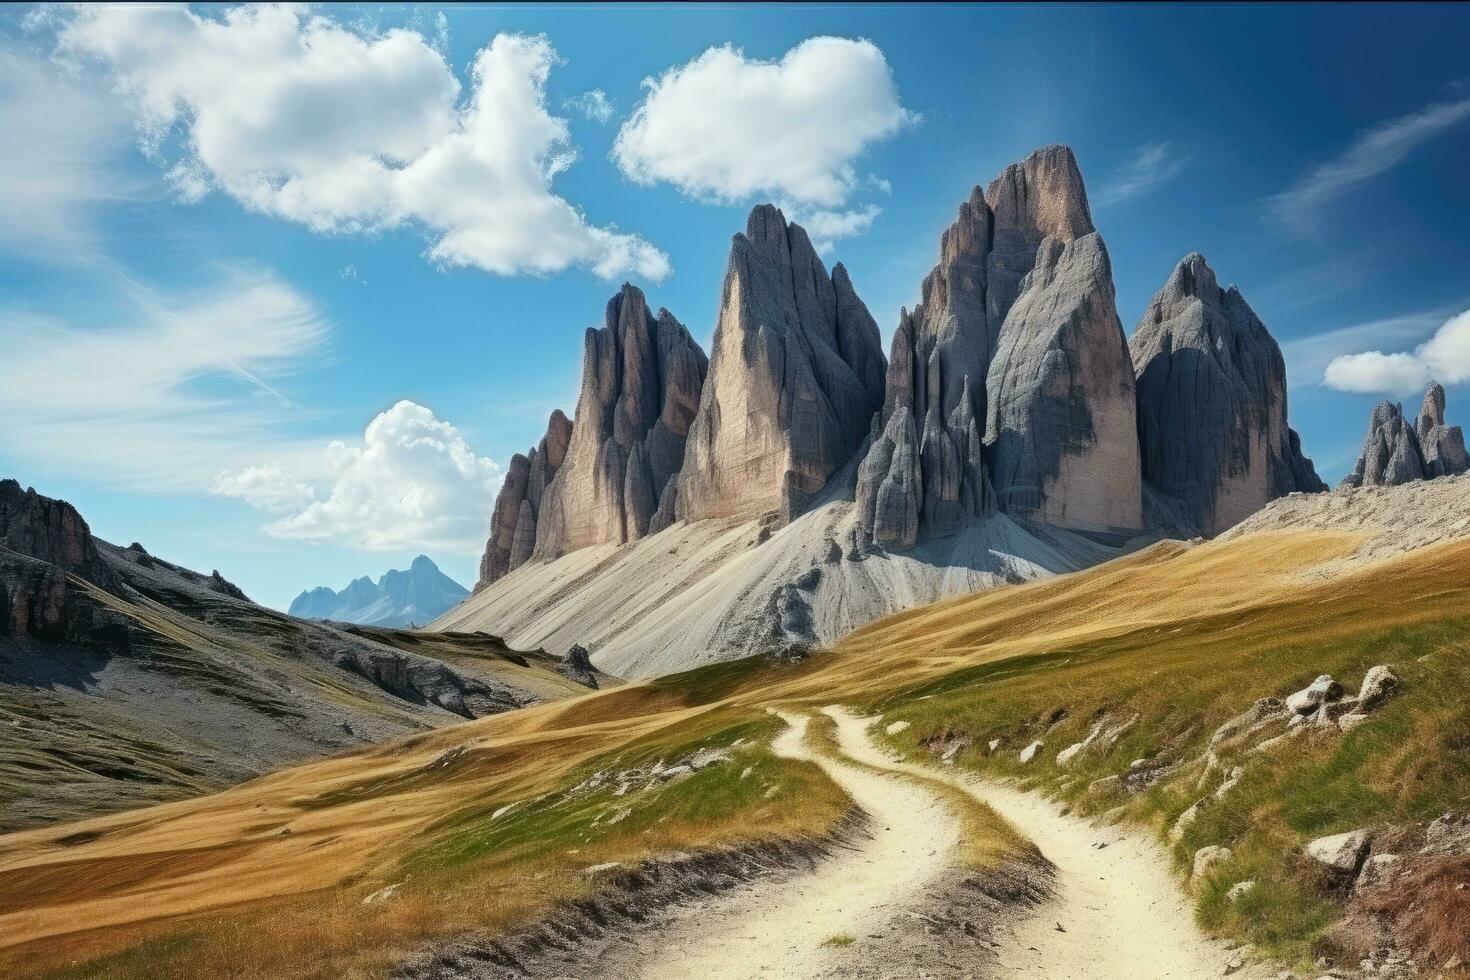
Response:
column 513, row 519
column 1013, row 434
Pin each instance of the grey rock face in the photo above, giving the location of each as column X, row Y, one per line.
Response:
column 795, row 378
column 1060, row 402
column 513, row 519
column 1212, row 422
column 936, row 378
column 1391, row 453
column 577, row 666
column 990, row 291
column 641, row 379
column 1443, row 445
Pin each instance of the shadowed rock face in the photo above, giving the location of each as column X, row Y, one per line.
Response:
column 1443, row 445
column 795, row 378
column 1060, row 402
column 513, row 520
column 1212, row 423
column 1397, row 452
column 924, row 470
column 641, row 379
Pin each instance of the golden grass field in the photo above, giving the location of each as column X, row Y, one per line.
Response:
column 1183, row 636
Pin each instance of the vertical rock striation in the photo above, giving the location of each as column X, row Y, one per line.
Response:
column 1212, row 419
column 1443, row 445
column 1398, row 452
column 924, row 469
column 641, row 380
column 513, row 519
column 1060, row 400
column 795, row 378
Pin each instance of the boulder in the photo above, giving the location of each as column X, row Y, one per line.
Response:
column 794, row 380
column 1212, row 418
column 1378, row 870
column 513, row 518
column 898, row 727
column 577, row 666
column 1341, row 853
column 1208, row 858
column 641, row 382
column 1029, row 752
column 1391, row 454
column 1310, row 698
column 1379, row 684
column 1239, row 890
column 1448, row 834
column 1443, row 445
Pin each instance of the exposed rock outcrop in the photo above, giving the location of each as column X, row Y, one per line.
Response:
column 1443, row 445
column 1060, row 401
column 795, row 378
column 641, row 380
column 1391, row 453
column 513, row 520
column 1212, row 422
column 51, row 531
column 1398, row 452
column 42, row 541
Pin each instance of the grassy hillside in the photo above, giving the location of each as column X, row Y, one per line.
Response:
column 459, row 820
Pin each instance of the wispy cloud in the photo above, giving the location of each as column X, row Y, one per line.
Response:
column 1371, row 152
column 1153, row 165
column 593, row 104
column 165, row 389
column 61, row 141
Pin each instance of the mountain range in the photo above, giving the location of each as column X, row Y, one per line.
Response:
column 397, row 598
column 799, row 484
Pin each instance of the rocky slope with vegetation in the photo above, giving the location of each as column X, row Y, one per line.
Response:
column 125, row 679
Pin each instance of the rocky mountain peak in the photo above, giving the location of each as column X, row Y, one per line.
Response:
column 641, row 382
column 1443, row 445
column 50, row 531
column 795, row 377
column 1212, row 419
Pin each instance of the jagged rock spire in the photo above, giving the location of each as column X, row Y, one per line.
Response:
column 1397, row 452
column 1212, row 420
column 641, row 378
column 513, row 519
column 795, row 377
column 1443, row 445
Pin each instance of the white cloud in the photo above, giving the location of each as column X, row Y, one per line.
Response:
column 1152, row 165
column 1444, row 357
column 724, row 127
column 345, row 131
column 155, row 390
column 1308, row 357
column 1371, row 152
column 412, row 483
column 594, row 104
column 59, row 140
column 266, row 487
column 826, row 227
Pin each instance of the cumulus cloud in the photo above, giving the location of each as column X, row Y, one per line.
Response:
column 726, row 128
column 413, row 482
column 594, row 104
column 267, row 487
column 1153, row 165
column 1371, row 153
column 344, row 131
column 1444, row 357
column 155, row 389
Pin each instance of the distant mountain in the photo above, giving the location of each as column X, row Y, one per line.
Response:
column 398, row 598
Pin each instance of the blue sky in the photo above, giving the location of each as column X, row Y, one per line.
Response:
column 207, row 299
